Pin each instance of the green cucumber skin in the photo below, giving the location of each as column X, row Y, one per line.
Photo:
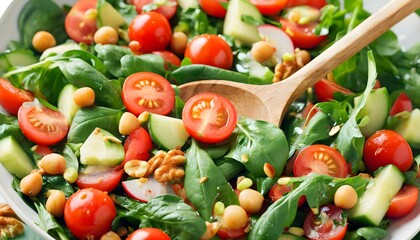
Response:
column 66, row 103
column 167, row 132
column 409, row 128
column 14, row 158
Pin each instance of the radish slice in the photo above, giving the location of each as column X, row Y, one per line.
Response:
column 145, row 189
column 278, row 38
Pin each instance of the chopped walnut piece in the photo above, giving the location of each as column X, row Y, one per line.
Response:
column 291, row 63
column 166, row 166
column 10, row 226
column 6, row 211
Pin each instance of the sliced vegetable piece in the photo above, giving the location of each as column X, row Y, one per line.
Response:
column 167, row 132
column 329, row 224
column 66, row 103
column 404, row 202
column 278, row 38
column 14, row 158
column 401, row 104
column 11, row 97
column 103, row 178
column 137, row 146
column 144, row 189
column 325, row 90
column 409, row 128
column 109, row 16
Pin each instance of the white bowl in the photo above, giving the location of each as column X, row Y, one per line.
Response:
column 408, row 32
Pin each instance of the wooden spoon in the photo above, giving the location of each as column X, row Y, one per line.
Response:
column 270, row 102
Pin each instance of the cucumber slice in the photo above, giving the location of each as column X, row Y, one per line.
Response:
column 373, row 204
column 16, row 58
column 108, row 16
column 66, row 103
column 186, row 4
column 101, row 148
column 376, row 111
column 14, row 158
column 167, row 132
column 409, row 128
column 235, row 27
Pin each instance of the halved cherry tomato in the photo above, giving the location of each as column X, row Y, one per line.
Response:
column 151, row 30
column 325, row 89
column 209, row 117
column 103, row 178
column 303, row 36
column 329, row 224
column 80, row 22
column 269, row 7
column 210, row 49
column 89, row 213
column 213, row 7
column 137, row 146
column 42, row 125
column 43, row 150
column 147, row 91
column 387, row 147
column 168, row 57
column 278, row 191
column 225, row 233
column 404, row 202
column 313, row 3
column 167, row 8
column 320, row 159
column 401, row 104
column 11, row 97
column 148, row 234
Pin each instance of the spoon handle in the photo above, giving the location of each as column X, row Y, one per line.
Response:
column 350, row 44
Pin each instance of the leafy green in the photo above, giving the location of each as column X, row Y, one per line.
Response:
column 167, row 212
column 350, row 140
column 111, row 56
column 143, row 63
column 50, row 182
column 50, row 224
column 318, row 189
column 257, row 143
column 71, row 158
column 128, row 11
column 204, row 182
column 371, row 233
column 10, row 127
column 87, row 119
column 195, row 21
column 195, row 72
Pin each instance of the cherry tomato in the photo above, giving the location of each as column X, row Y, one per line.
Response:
column 167, row 8
column 269, row 7
column 213, row 7
column 11, row 97
column 404, row 202
column 278, row 191
column 42, row 125
column 89, row 212
column 320, row 159
column 309, row 112
column 151, row 30
column 325, row 89
column 313, row 3
column 80, row 22
column 146, row 91
column 148, row 234
column 225, row 233
column 401, row 104
column 209, row 117
column 43, row 150
column 330, row 224
column 303, row 36
column 387, row 147
column 168, row 57
column 137, row 146
column 211, row 50
column 103, row 178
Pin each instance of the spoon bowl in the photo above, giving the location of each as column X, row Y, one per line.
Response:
column 270, row 102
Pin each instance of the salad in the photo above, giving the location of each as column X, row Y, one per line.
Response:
column 102, row 146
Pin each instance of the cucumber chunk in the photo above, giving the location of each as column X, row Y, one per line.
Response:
column 16, row 58
column 14, row 158
column 376, row 111
column 409, row 128
column 235, row 27
column 101, row 148
column 66, row 103
column 373, row 204
column 167, row 132
column 108, row 16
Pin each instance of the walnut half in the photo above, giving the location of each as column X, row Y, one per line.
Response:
column 10, row 226
column 167, row 166
column 291, row 63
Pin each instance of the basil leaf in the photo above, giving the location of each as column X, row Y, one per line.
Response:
column 204, row 182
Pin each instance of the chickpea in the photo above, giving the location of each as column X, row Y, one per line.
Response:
column 52, row 164
column 84, row 97
column 211, row 230
column 110, row 236
column 262, row 51
column 302, row 58
column 178, row 43
column 251, row 200
column 128, row 123
column 43, row 40
column 235, row 217
column 345, row 197
column 106, row 35
column 56, row 200
column 31, row 184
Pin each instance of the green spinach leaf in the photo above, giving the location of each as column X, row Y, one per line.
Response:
column 143, row 63
column 111, row 56
column 50, row 182
column 367, row 233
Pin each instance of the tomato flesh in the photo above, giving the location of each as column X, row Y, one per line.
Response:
column 80, row 22
column 325, row 90
column 278, row 191
column 213, row 7
column 137, row 146
column 11, row 97
column 401, row 104
column 320, row 159
column 329, row 224
column 303, row 36
column 42, row 125
column 269, row 7
column 103, row 178
column 167, row 8
column 404, row 202
column 209, row 117
column 148, row 234
column 387, row 147
column 146, row 91
column 313, row 3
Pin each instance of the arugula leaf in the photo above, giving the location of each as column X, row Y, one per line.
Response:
column 350, row 140
column 257, row 143
column 204, row 182
column 50, row 224
column 338, row 111
column 318, row 189
column 167, row 212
